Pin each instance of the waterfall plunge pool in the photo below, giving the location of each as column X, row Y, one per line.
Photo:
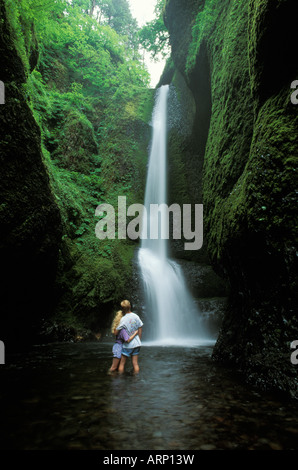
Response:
column 61, row 397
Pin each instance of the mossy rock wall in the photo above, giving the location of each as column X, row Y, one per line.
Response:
column 94, row 275
column 29, row 217
column 246, row 49
column 63, row 153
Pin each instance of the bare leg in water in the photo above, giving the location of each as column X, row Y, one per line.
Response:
column 115, row 364
column 135, row 364
column 122, row 364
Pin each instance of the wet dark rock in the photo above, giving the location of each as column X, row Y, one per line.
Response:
column 52, row 331
column 29, row 218
column 202, row 281
column 242, row 140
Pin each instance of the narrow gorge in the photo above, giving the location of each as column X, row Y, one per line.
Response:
column 77, row 131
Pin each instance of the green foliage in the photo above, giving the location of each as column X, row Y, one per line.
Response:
column 114, row 13
column 24, row 16
column 89, row 94
column 203, row 26
column 154, row 36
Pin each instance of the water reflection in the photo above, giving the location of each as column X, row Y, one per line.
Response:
column 61, row 397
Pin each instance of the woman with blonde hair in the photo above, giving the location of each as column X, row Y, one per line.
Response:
column 130, row 322
column 121, row 337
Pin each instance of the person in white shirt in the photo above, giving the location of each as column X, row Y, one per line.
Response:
column 131, row 322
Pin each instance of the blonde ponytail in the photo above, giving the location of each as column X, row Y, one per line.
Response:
column 116, row 320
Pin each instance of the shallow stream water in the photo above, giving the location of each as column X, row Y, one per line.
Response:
column 60, row 397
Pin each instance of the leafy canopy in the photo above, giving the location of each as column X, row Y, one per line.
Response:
column 154, row 36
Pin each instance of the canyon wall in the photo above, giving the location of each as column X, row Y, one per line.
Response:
column 232, row 66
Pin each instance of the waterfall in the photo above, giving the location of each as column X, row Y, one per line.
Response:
column 171, row 311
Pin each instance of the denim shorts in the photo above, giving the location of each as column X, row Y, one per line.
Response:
column 131, row 351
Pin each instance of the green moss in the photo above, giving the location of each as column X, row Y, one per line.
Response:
column 202, row 27
column 250, row 171
column 30, row 219
column 231, row 124
column 78, row 111
column 90, row 278
column 77, row 146
column 271, row 171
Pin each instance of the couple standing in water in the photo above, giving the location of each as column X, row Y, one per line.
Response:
column 127, row 326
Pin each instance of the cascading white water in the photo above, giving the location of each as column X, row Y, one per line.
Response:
column 174, row 316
